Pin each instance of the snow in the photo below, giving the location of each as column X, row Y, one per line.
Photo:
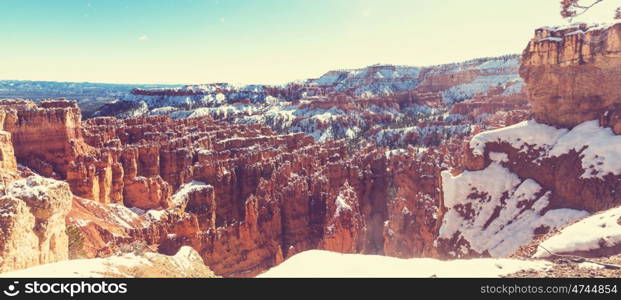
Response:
column 341, row 205
column 499, row 64
column 114, row 266
column 330, row 78
column 576, row 26
column 399, row 136
column 388, row 79
column 551, row 39
column 579, row 32
column 84, row 268
column 518, row 136
column 480, row 85
column 495, row 180
column 155, row 215
column 594, row 232
column 185, row 258
column 601, row 154
column 498, row 157
column 182, row 194
column 341, row 199
column 500, row 222
column 121, row 215
column 598, row 147
column 33, row 187
column 488, row 65
column 319, row 263
column 589, row 265
column 513, row 87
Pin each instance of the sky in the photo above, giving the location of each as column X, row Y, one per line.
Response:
column 256, row 41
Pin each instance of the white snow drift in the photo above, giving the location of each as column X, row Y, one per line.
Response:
column 592, row 233
column 318, row 263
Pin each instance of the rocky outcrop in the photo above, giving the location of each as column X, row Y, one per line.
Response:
column 572, row 74
column 528, row 179
column 32, row 221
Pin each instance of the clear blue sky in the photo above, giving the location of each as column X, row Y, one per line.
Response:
column 254, row 41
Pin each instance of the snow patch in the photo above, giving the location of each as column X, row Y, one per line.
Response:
column 594, row 232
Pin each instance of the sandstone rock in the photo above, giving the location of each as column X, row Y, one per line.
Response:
column 572, row 73
column 345, row 227
column 32, row 222
column 147, row 193
column 49, row 135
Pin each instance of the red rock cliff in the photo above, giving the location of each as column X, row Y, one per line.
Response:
column 573, row 74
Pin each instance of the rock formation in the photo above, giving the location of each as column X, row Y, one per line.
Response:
column 32, row 222
column 528, row 179
column 572, row 74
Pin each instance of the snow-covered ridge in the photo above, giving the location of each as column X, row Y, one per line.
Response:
column 371, row 81
column 341, row 103
column 481, row 85
column 575, row 27
column 598, row 147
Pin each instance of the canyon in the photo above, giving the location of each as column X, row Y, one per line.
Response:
column 448, row 162
column 243, row 196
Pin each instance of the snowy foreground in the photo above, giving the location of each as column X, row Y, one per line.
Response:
column 186, row 263
column 319, row 263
